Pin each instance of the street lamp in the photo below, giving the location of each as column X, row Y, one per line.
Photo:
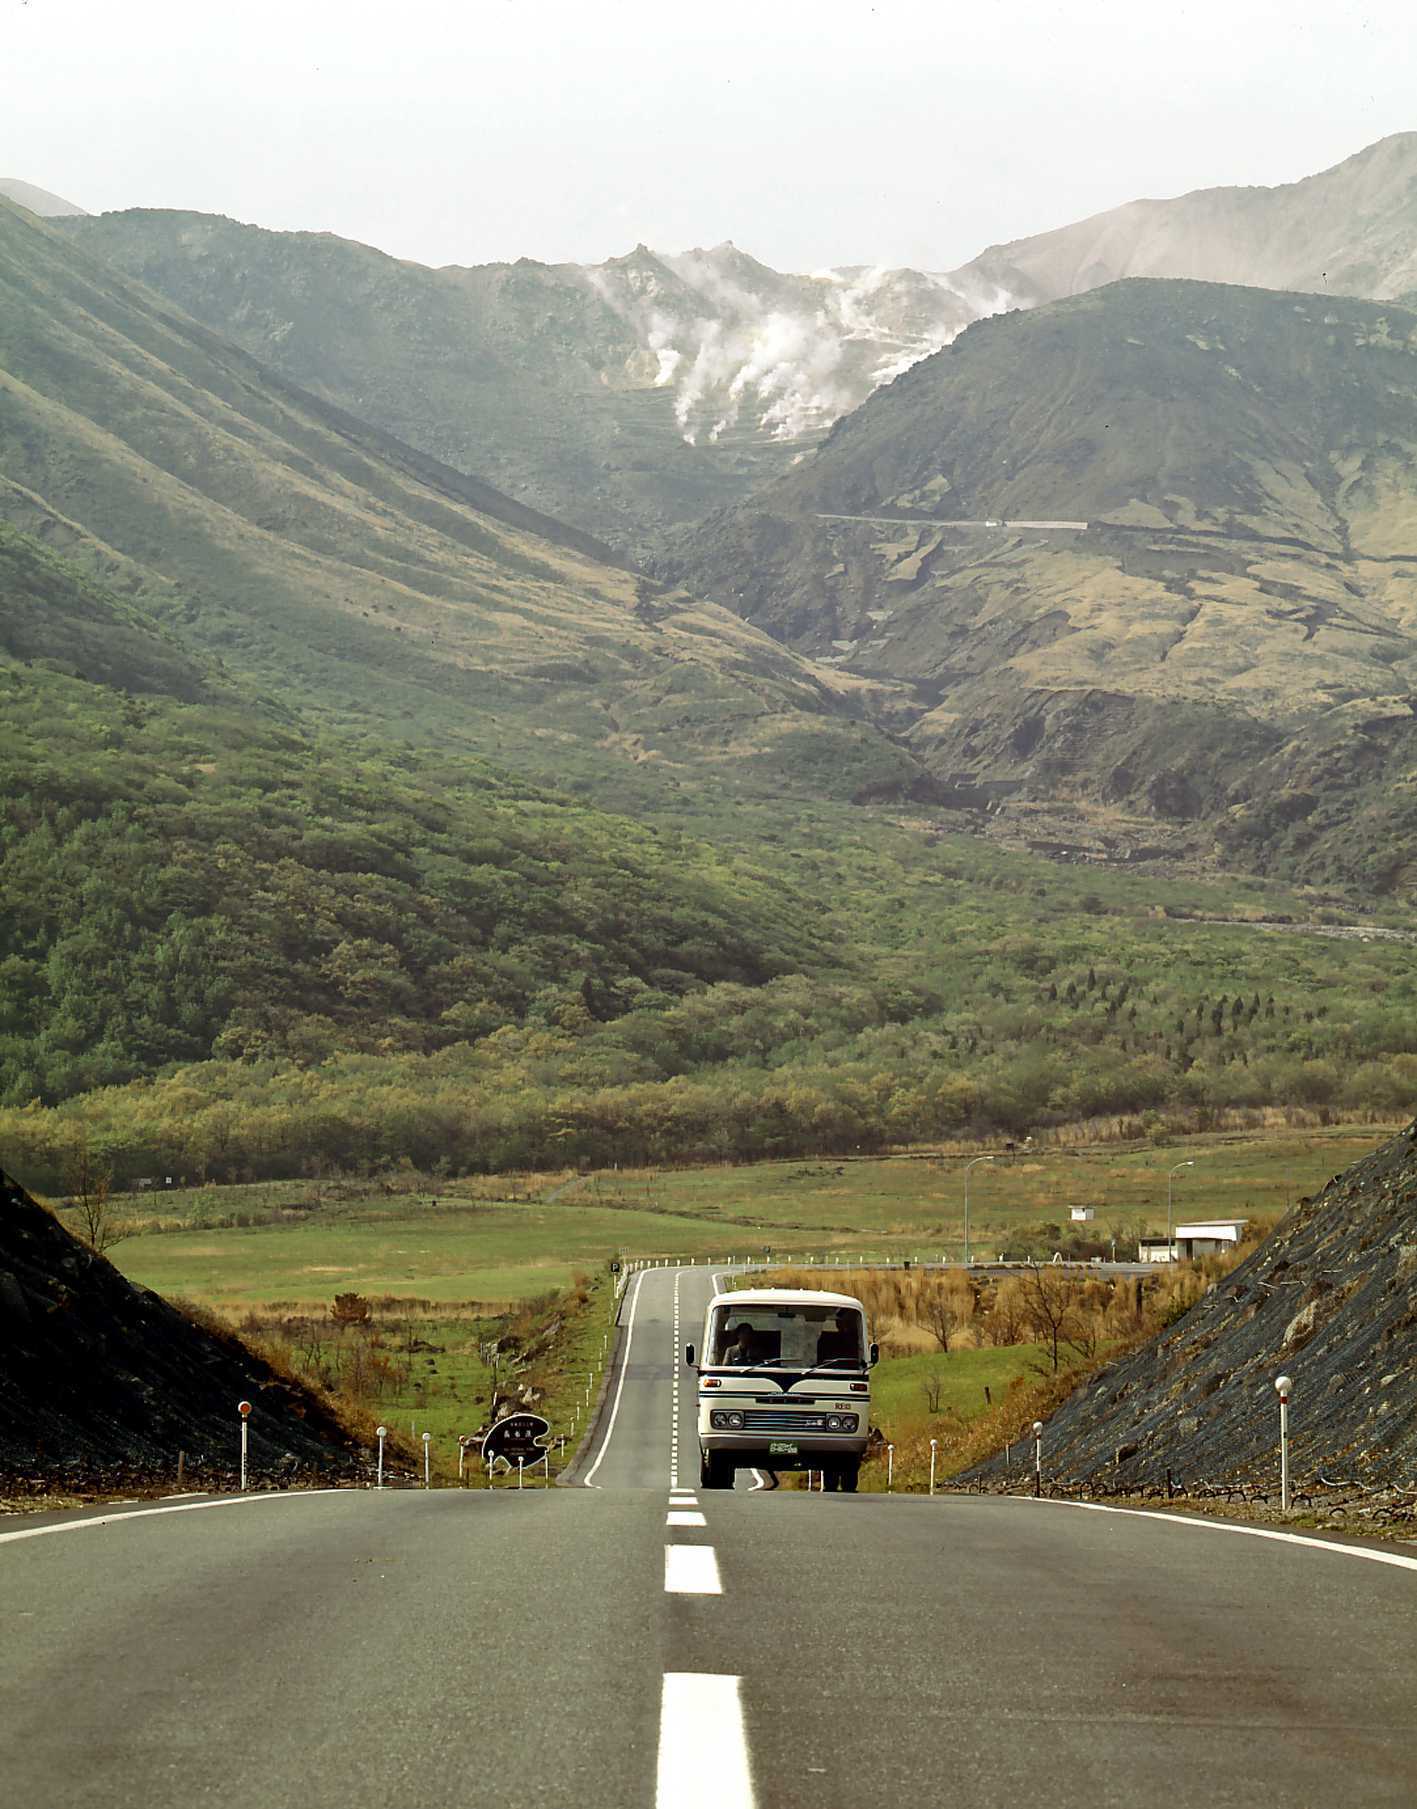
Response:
column 967, row 1167
column 1169, row 1181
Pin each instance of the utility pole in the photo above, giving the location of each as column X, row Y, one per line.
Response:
column 967, row 1167
column 1169, row 1182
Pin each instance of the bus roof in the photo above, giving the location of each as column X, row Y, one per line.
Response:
column 787, row 1297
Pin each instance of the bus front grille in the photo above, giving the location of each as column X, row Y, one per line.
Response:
column 760, row 1421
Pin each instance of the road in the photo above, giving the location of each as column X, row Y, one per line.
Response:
column 940, row 521
column 620, row 1644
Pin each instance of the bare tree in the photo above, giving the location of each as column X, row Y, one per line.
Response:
column 1006, row 1321
column 89, row 1181
column 937, row 1314
column 931, row 1386
column 1050, row 1308
column 944, row 1307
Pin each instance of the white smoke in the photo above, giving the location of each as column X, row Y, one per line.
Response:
column 782, row 356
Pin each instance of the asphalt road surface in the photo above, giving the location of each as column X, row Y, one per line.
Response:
column 625, row 1644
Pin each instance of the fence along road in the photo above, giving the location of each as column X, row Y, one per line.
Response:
column 632, row 1643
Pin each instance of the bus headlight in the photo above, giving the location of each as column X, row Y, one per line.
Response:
column 842, row 1422
column 726, row 1422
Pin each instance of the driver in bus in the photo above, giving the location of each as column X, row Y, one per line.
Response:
column 741, row 1351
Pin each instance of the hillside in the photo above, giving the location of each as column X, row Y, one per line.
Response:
column 1330, row 1298
column 101, row 1378
column 1349, row 230
column 361, row 580
column 626, row 396
column 54, row 618
column 189, row 872
column 1232, row 582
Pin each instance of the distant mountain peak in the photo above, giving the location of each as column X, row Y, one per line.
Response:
column 39, row 200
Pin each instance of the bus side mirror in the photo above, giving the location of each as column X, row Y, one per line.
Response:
column 875, row 1355
column 689, row 1355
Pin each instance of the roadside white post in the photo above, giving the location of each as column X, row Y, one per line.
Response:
column 890, row 1468
column 1038, row 1457
column 520, row 1461
column 462, row 1457
column 1282, row 1386
column 933, row 1443
column 427, row 1447
column 383, row 1433
column 244, row 1409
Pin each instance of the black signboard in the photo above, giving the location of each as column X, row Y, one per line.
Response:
column 519, row 1435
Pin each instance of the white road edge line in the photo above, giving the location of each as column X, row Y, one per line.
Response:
column 1225, row 1526
column 691, row 1570
column 589, row 1482
column 185, row 1507
column 703, row 1744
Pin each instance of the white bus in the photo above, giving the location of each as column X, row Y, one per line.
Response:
column 784, row 1385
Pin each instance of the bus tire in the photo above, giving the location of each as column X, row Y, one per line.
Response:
column 715, row 1472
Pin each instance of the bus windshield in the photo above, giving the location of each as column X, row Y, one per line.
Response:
column 787, row 1337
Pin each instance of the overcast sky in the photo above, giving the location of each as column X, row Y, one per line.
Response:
column 809, row 132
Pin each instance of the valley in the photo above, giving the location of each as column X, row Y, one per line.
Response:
column 640, row 789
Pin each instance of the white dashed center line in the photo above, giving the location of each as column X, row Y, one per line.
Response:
column 691, row 1570
column 674, row 1392
column 703, row 1745
column 684, row 1517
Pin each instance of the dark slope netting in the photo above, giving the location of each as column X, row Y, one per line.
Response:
column 97, row 1375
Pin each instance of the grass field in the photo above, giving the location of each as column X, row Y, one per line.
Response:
column 915, row 1204
column 499, row 1251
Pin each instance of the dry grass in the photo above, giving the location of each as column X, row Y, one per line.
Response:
column 1062, row 1325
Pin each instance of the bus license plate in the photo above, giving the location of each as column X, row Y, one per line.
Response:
column 782, row 1447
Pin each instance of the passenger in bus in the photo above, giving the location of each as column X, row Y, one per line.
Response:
column 841, row 1343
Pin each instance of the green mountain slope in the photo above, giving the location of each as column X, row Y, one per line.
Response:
column 362, row 580
column 52, row 616
column 185, row 873
column 1246, row 467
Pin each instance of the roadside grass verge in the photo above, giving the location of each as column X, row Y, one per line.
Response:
column 445, row 1368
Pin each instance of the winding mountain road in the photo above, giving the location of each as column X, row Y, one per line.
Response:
column 629, row 1643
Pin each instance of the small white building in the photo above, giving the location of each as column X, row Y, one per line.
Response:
column 1209, row 1237
column 1081, row 1214
column 1155, row 1250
